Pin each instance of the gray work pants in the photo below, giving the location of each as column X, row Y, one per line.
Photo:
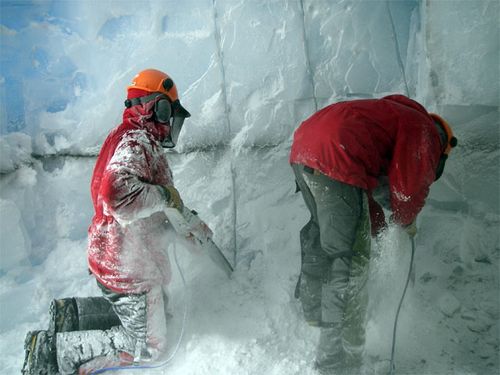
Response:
column 140, row 337
column 335, row 246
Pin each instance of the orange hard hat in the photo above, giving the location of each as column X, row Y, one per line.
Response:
column 452, row 141
column 152, row 80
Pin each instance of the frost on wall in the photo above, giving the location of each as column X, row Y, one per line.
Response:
column 265, row 65
column 354, row 46
column 463, row 45
column 247, row 69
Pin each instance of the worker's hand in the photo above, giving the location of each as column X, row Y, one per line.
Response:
column 411, row 228
column 173, row 198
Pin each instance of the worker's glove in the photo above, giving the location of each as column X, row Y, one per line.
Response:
column 173, row 198
column 411, row 228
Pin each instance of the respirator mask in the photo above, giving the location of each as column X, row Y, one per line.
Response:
column 165, row 112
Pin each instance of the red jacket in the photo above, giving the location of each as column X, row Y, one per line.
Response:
column 127, row 249
column 358, row 141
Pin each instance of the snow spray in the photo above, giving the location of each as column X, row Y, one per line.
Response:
column 392, row 366
column 177, row 345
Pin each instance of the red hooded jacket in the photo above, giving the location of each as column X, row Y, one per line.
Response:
column 358, row 141
column 126, row 249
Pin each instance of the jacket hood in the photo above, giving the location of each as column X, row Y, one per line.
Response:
column 407, row 102
column 141, row 116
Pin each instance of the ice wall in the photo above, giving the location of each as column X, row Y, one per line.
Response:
column 359, row 48
column 462, row 43
column 263, row 65
column 461, row 82
column 249, row 72
column 249, row 68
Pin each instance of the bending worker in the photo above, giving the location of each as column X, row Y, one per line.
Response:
column 339, row 155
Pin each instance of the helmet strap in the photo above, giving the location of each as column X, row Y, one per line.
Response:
column 142, row 100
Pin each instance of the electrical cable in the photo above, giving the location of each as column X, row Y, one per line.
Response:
column 177, row 346
column 392, row 366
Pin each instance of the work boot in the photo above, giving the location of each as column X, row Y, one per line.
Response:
column 40, row 357
column 63, row 316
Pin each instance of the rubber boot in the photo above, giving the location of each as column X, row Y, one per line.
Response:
column 81, row 314
column 77, row 348
column 95, row 313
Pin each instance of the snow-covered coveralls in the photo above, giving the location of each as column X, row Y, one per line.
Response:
column 338, row 156
column 126, row 251
column 127, row 248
